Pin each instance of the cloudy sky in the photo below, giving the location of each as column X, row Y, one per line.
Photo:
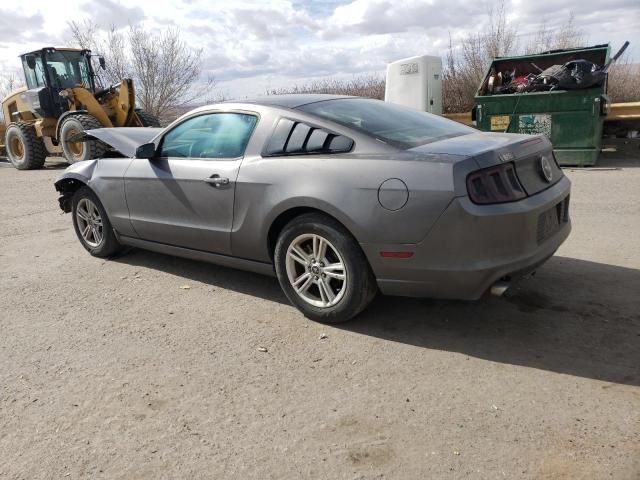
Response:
column 252, row 46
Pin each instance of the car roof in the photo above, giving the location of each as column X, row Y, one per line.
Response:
column 293, row 100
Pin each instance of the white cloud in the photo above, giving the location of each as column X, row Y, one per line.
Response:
column 370, row 17
column 250, row 46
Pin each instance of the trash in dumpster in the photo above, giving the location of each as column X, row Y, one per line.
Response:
column 576, row 74
column 561, row 94
column 571, row 75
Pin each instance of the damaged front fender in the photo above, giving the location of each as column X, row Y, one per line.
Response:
column 73, row 178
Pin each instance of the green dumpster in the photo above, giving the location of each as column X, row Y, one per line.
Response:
column 571, row 119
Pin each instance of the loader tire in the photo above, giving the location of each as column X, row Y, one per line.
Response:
column 25, row 149
column 147, row 119
column 79, row 151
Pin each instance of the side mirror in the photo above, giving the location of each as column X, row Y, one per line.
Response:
column 103, row 64
column 148, row 150
column 31, row 62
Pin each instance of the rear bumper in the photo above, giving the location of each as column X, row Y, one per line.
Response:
column 471, row 247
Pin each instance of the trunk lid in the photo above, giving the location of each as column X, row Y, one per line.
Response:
column 532, row 155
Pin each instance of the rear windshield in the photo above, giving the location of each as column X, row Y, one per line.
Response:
column 391, row 123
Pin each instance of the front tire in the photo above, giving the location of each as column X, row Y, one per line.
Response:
column 79, row 151
column 322, row 270
column 25, row 149
column 92, row 225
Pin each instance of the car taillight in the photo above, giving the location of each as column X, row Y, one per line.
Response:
column 497, row 184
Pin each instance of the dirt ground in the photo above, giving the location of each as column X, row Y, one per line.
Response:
column 109, row 369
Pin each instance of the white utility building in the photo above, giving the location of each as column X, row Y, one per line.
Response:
column 416, row 82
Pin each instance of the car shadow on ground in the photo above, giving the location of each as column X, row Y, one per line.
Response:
column 573, row 317
column 240, row 281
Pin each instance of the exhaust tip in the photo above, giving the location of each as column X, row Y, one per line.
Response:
column 499, row 288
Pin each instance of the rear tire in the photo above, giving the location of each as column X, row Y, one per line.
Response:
column 79, row 151
column 147, row 119
column 322, row 270
column 25, row 149
column 92, row 225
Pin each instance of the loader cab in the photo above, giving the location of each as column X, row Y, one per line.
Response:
column 48, row 72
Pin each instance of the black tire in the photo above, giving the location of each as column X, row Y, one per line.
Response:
column 79, row 151
column 25, row 149
column 109, row 245
column 359, row 286
column 147, row 119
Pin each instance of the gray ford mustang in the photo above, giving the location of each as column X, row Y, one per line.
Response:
column 340, row 197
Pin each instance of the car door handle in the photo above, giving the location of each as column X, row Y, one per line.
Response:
column 217, row 181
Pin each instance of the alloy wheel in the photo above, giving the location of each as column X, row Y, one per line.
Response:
column 89, row 222
column 316, row 270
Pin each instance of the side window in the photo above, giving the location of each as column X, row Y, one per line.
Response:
column 35, row 77
column 297, row 138
column 213, row 135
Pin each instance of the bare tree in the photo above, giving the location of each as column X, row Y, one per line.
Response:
column 165, row 70
column 456, row 88
column 624, row 81
column 465, row 65
column 545, row 39
column 8, row 83
column 84, row 33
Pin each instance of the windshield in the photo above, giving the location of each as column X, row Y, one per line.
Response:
column 68, row 69
column 391, row 123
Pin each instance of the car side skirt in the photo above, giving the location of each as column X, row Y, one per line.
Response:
column 222, row 260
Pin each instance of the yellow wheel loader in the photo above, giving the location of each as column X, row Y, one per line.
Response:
column 59, row 102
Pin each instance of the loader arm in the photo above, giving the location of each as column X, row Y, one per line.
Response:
column 82, row 99
column 124, row 105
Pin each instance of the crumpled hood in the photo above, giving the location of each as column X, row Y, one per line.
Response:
column 124, row 139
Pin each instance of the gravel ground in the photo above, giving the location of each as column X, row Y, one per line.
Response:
column 110, row 369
